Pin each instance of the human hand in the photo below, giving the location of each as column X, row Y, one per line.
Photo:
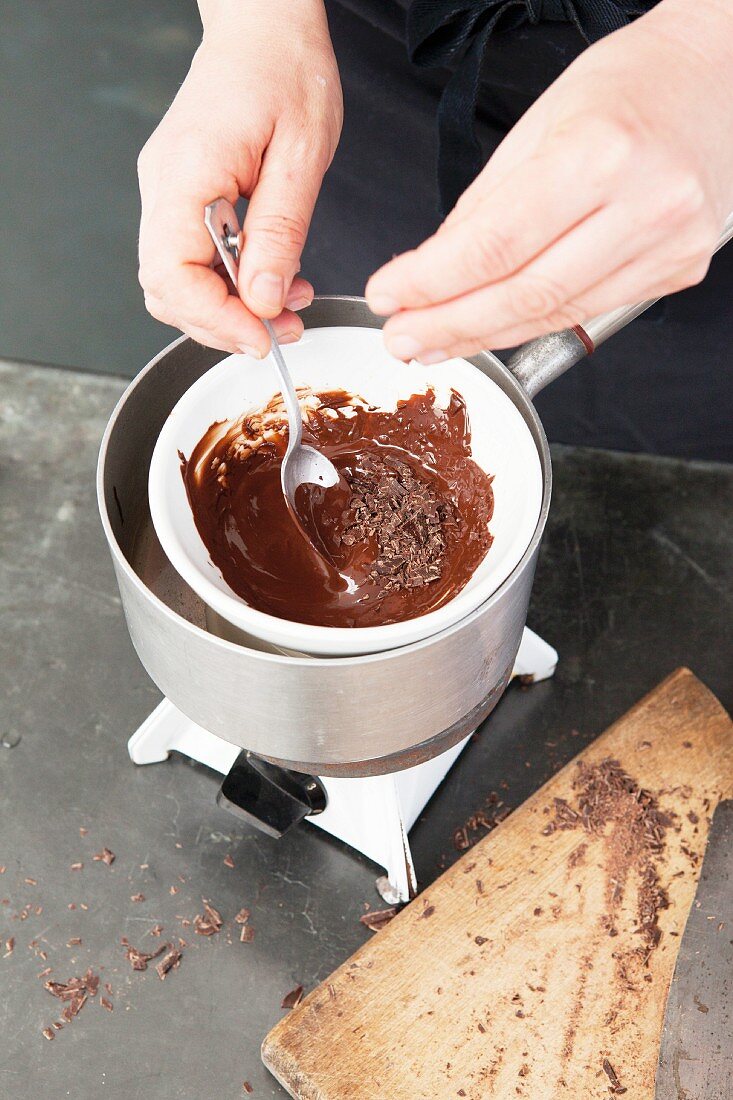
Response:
column 611, row 189
column 259, row 115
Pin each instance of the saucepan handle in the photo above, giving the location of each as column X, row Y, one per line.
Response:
column 543, row 360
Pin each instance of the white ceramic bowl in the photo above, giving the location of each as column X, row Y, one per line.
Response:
column 353, row 359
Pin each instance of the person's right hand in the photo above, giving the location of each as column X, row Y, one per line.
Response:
column 259, row 115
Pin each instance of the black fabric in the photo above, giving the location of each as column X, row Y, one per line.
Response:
column 664, row 385
column 455, row 33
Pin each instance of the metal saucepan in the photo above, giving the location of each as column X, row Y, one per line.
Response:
column 332, row 716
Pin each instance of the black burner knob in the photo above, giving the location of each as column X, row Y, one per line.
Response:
column 271, row 798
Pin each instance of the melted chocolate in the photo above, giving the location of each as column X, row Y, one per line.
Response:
column 233, row 483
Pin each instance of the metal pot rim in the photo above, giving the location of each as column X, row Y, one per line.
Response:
column 516, row 393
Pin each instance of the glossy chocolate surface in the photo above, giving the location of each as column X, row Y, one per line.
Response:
column 393, row 569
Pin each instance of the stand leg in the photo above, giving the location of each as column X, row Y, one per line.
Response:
column 167, row 730
column 374, row 814
column 536, row 659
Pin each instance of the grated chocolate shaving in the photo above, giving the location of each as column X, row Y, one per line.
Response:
column 378, row 918
column 610, row 803
column 74, row 993
column 616, row 1089
column 293, row 998
column 403, row 516
column 139, row 959
column 209, row 923
column 172, row 960
column 105, row 856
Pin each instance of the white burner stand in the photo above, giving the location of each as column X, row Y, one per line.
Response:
column 373, row 814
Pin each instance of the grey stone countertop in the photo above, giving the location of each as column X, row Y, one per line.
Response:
column 635, row 579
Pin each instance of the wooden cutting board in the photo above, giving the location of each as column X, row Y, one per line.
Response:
column 522, row 972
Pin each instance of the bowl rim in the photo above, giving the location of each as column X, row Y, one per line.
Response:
column 290, row 634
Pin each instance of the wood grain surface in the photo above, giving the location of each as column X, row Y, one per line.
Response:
column 522, row 972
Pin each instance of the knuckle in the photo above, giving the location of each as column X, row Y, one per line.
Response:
column 692, row 275
column 144, row 158
column 684, row 200
column 156, row 308
column 281, row 234
column 607, row 142
column 153, row 281
column 535, row 298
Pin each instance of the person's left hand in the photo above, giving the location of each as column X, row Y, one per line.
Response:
column 611, row 189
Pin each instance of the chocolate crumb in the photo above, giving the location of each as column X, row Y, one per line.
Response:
column 139, row 959
column 137, row 897
column 378, row 918
column 106, row 1004
column 156, row 930
column 172, row 960
column 228, row 861
column 209, row 923
column 242, row 916
column 74, row 942
column 617, row 1088
column 480, row 940
column 293, row 998
column 246, row 1087
column 74, row 993
column 47, row 1033
column 247, row 934
column 428, row 911
column 105, row 856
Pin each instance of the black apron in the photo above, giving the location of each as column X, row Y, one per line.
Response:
column 664, row 384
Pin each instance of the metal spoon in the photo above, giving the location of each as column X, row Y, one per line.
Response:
column 302, row 464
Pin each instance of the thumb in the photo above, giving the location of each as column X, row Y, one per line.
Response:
column 275, row 229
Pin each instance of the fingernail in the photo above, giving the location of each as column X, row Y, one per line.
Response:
column 288, row 338
column 254, row 353
column 403, row 347
column 382, row 304
column 268, row 290
column 427, row 358
column 298, row 303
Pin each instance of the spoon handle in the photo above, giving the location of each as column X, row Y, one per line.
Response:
column 290, row 396
column 221, row 220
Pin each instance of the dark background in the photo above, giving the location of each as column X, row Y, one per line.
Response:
column 82, row 85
